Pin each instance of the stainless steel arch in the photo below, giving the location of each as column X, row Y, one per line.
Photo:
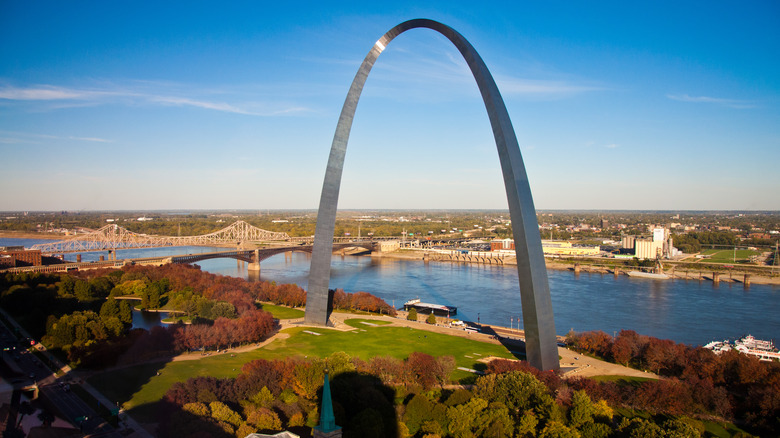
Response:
column 541, row 346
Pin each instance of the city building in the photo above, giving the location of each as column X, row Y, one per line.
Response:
column 13, row 257
column 550, row 247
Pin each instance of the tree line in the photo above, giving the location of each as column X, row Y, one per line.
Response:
column 86, row 316
column 697, row 381
column 388, row 397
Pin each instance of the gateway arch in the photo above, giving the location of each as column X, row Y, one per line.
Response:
column 541, row 346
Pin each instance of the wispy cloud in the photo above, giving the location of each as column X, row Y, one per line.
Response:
column 12, row 137
column 140, row 92
column 541, row 87
column 94, row 139
column 730, row 103
column 600, row 145
column 445, row 67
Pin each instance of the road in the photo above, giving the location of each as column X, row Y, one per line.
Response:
column 30, row 372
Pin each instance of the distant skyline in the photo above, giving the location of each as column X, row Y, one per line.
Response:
column 206, row 106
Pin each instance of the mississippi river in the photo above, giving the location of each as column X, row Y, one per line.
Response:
column 689, row 311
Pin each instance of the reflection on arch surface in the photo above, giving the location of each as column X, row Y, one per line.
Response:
column 541, row 347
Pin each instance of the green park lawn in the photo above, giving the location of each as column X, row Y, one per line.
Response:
column 281, row 312
column 138, row 388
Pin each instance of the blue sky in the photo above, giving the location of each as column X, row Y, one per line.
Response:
column 233, row 105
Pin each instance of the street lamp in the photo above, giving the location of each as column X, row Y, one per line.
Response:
column 478, row 319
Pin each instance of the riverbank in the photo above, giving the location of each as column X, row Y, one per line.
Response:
column 587, row 265
column 27, row 235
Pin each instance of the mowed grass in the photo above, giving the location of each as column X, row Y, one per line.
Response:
column 139, row 388
column 281, row 312
column 727, row 255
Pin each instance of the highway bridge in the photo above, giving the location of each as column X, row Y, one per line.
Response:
column 251, row 256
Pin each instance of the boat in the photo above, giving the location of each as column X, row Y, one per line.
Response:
column 427, row 308
column 764, row 350
column 642, row 274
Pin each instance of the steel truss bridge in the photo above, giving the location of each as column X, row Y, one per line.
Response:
column 114, row 237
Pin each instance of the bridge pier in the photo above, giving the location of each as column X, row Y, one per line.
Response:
column 255, row 265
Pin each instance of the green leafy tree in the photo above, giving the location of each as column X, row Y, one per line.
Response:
column 223, row 309
column 263, row 397
column 581, row 411
column 555, row 429
column 464, row 419
column 197, row 408
column 125, row 312
column 66, row 285
column 417, row 411
column 526, row 427
column 495, row 422
column 517, row 390
column 679, row 428
column 339, row 362
column 412, row 315
column 221, row 412
column 83, row 291
column 101, row 286
column 431, row 319
column 110, row 308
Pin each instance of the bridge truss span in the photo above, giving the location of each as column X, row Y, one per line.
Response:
column 115, row 237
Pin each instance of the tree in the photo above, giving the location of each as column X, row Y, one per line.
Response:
column 495, row 422
column 125, row 312
column 412, row 315
column 526, row 427
column 264, row 419
column 431, row 319
column 110, row 308
column 427, row 370
column 83, row 291
column 223, row 310
column 555, row 429
column 517, row 390
column 464, row 419
column 221, row 412
column 581, row 411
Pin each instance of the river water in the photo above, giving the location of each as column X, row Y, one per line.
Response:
column 689, row 311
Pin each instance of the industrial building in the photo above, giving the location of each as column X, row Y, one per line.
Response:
column 550, row 247
column 17, row 256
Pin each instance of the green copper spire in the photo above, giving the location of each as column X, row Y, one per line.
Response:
column 327, row 419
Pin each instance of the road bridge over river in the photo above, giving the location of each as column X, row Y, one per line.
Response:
column 252, row 256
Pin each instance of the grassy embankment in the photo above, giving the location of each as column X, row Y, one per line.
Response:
column 139, row 388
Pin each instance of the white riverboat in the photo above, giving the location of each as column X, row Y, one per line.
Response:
column 764, row 350
column 642, row 274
